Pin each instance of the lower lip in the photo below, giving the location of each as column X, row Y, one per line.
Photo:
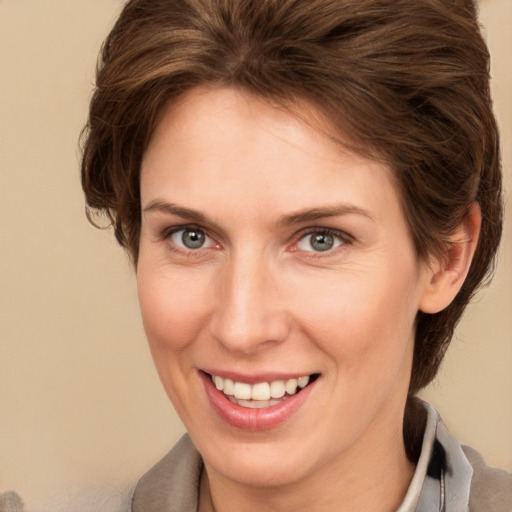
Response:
column 245, row 418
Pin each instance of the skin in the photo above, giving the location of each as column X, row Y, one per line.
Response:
column 257, row 298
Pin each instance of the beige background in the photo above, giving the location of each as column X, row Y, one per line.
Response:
column 81, row 411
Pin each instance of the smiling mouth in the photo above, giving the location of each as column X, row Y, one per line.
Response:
column 261, row 394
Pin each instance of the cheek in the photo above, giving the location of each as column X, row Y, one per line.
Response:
column 173, row 307
column 173, row 312
column 361, row 318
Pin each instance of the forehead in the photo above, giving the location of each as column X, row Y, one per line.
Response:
column 203, row 111
column 227, row 141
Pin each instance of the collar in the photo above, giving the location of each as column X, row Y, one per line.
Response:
column 443, row 474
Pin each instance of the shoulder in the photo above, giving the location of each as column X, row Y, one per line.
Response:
column 465, row 481
column 172, row 484
column 491, row 488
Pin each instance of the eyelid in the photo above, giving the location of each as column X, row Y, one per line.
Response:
column 344, row 237
column 167, row 233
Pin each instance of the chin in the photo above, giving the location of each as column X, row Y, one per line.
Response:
column 261, row 465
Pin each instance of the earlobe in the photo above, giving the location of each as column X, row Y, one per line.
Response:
column 446, row 274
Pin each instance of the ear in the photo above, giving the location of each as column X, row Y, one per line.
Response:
column 446, row 274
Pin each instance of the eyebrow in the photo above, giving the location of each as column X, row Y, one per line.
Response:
column 173, row 209
column 299, row 217
column 313, row 214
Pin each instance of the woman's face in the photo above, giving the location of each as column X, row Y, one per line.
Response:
column 267, row 254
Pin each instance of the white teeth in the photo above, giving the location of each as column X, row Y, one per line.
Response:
column 256, row 404
column 219, row 383
column 277, row 389
column 261, row 391
column 291, row 386
column 261, row 394
column 229, row 387
column 242, row 391
column 301, row 381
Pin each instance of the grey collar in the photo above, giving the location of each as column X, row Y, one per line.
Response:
column 443, row 474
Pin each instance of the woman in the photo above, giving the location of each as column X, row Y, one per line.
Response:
column 310, row 192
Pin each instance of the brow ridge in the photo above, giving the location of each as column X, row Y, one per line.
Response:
column 173, row 209
column 313, row 214
column 299, row 217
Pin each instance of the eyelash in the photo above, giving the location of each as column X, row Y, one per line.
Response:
column 343, row 238
column 167, row 234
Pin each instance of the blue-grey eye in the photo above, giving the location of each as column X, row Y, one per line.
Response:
column 319, row 241
column 190, row 238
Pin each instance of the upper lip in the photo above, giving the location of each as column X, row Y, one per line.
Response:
column 254, row 378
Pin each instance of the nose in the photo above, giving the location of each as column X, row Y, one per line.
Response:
column 250, row 312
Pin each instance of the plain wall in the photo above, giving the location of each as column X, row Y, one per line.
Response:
column 82, row 413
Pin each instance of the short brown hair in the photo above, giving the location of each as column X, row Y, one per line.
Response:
column 408, row 79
